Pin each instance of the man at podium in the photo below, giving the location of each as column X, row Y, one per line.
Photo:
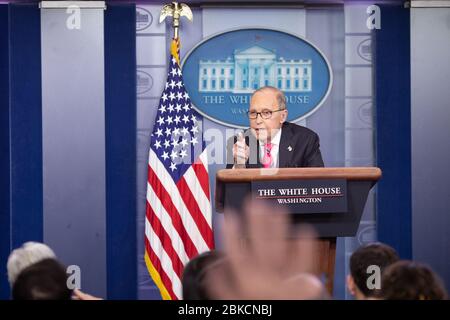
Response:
column 271, row 141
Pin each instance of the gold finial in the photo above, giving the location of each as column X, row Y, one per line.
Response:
column 176, row 10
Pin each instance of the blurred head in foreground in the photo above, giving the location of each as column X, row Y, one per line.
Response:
column 409, row 280
column 374, row 254
column 44, row 280
column 29, row 253
column 194, row 275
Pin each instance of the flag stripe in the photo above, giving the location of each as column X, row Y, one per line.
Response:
column 156, row 208
column 202, row 176
column 175, row 216
column 195, row 187
column 156, row 263
column 204, row 159
column 173, row 196
column 165, row 262
column 166, row 240
column 199, row 219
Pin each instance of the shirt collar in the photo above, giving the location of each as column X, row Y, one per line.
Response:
column 275, row 140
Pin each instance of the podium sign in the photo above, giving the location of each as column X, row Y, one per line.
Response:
column 335, row 217
column 304, row 196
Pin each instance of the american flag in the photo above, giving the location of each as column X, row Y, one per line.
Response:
column 178, row 216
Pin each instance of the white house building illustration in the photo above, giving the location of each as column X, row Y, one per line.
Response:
column 253, row 68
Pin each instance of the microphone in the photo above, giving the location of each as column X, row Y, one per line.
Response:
column 240, row 152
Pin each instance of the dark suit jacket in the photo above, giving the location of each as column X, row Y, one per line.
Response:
column 299, row 147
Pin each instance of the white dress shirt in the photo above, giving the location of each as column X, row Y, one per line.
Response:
column 274, row 151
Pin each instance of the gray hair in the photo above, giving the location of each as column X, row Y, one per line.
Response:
column 281, row 98
column 28, row 254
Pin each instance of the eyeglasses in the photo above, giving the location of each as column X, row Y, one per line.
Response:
column 265, row 114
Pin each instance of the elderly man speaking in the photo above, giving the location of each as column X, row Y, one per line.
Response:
column 271, row 141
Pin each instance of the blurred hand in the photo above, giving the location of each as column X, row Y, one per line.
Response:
column 79, row 295
column 272, row 264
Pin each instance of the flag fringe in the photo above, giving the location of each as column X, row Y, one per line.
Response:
column 175, row 50
column 156, row 278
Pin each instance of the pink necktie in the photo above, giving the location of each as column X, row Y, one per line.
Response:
column 267, row 159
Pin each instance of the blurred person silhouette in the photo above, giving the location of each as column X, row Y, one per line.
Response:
column 266, row 259
column 193, row 279
column 43, row 280
column 311, row 285
column 21, row 258
column 409, row 280
column 378, row 254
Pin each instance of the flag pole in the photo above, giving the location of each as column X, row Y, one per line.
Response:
column 178, row 218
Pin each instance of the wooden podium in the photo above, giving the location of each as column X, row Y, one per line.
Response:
column 233, row 186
